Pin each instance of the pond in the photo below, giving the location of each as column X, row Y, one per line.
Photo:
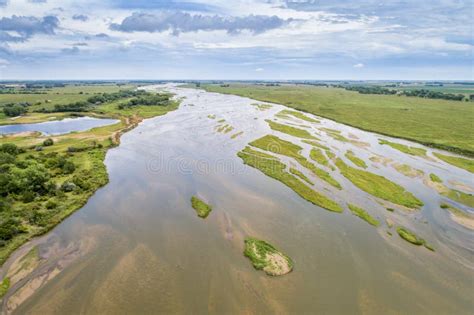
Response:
column 138, row 247
column 59, row 127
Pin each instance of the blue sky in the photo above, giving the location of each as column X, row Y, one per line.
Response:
column 237, row 39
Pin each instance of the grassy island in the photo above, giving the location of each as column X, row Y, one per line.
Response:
column 378, row 186
column 202, row 208
column 412, row 238
column 364, row 215
column 267, row 258
column 275, row 169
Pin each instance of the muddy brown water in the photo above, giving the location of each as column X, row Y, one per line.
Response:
column 138, row 247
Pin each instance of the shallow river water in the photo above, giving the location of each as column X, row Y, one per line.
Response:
column 137, row 247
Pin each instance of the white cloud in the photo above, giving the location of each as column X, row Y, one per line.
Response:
column 359, row 65
column 259, row 69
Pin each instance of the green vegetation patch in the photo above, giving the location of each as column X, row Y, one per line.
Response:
column 277, row 170
column 299, row 115
column 407, row 170
column 412, row 238
column 467, row 164
column 316, row 144
column 4, row 286
column 262, row 107
column 202, row 208
column 318, row 156
column 292, row 131
column 463, row 218
column 435, row 178
column 235, row 135
column 335, row 134
column 211, row 116
column 267, row 258
column 459, row 196
column 378, row 186
column 404, row 148
column 294, row 171
column 354, row 159
column 364, row 215
column 276, row 145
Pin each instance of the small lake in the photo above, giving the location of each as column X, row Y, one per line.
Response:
column 58, row 127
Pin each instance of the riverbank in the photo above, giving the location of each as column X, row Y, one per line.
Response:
column 63, row 191
column 415, row 119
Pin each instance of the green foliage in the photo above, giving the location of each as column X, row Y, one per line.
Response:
column 48, row 142
column 412, row 238
column 364, row 215
column 354, row 159
column 202, row 208
column 435, row 178
column 259, row 253
column 404, row 148
column 13, row 110
column 4, row 286
column 464, row 163
column 292, row 131
column 277, row 170
column 378, row 186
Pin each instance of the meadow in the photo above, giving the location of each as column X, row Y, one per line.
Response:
column 437, row 123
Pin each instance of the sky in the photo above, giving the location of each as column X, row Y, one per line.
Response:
column 237, row 39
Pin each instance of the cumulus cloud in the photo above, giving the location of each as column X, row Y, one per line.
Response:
column 179, row 22
column 80, row 17
column 26, row 26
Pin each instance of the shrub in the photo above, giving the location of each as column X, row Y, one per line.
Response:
column 48, row 142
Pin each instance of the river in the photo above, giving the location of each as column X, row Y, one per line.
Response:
column 138, row 247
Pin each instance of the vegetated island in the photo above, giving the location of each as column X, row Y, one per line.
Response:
column 412, row 238
column 44, row 179
column 267, row 258
column 202, row 208
column 272, row 167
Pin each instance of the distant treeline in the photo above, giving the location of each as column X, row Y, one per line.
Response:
column 416, row 93
column 136, row 98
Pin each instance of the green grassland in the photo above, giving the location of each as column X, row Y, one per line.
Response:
column 438, row 123
column 57, row 179
column 378, row 186
column 202, row 208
